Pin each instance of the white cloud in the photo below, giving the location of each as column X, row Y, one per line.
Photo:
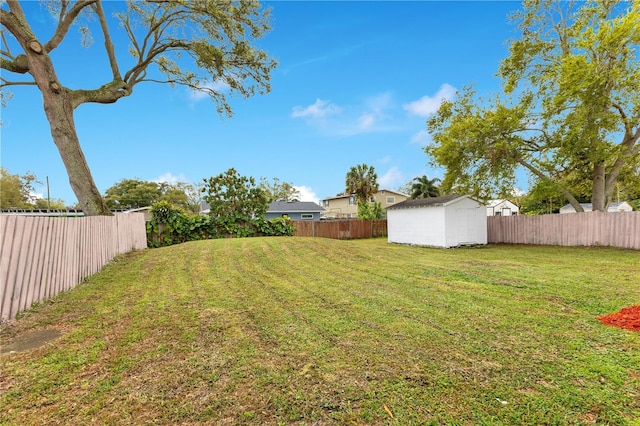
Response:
column 170, row 178
column 385, row 160
column 366, row 122
column 422, row 138
column 379, row 102
column 374, row 113
column 391, row 179
column 319, row 109
column 367, row 117
column 428, row 105
column 33, row 196
column 215, row 86
column 307, row 194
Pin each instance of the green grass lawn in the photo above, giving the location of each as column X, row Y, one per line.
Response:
column 319, row 331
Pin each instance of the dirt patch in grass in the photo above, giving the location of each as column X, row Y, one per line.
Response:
column 627, row 318
column 31, row 340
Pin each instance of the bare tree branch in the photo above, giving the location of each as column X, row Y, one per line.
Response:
column 4, row 83
column 13, row 18
column 566, row 193
column 15, row 22
column 7, row 52
column 105, row 94
column 108, row 44
column 627, row 125
column 149, row 49
column 631, row 147
column 66, row 19
column 132, row 75
column 18, row 65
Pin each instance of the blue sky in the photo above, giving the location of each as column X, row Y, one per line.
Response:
column 356, row 82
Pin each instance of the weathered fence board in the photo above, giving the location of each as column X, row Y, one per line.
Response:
column 341, row 229
column 575, row 229
column 42, row 256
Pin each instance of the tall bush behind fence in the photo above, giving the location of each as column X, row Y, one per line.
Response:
column 43, row 256
column 172, row 225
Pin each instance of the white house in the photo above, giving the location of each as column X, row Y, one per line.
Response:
column 622, row 206
column 502, row 208
column 449, row 221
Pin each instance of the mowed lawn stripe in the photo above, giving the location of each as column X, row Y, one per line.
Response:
column 303, row 331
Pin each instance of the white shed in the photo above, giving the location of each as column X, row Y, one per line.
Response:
column 449, row 221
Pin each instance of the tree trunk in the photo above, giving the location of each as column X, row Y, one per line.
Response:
column 598, row 198
column 564, row 191
column 59, row 110
column 572, row 200
column 66, row 139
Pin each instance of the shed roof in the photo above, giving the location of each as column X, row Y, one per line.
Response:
column 427, row 202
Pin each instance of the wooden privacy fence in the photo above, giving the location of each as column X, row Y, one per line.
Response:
column 573, row 229
column 348, row 229
column 42, row 256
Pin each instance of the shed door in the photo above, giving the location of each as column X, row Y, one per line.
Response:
column 467, row 232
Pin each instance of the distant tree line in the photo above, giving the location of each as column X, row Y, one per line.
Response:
column 222, row 192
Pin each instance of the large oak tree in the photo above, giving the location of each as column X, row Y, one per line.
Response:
column 203, row 45
column 569, row 114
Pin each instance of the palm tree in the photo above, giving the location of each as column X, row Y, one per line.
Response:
column 423, row 187
column 362, row 181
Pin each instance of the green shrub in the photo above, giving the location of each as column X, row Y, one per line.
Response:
column 369, row 211
column 172, row 225
column 279, row 226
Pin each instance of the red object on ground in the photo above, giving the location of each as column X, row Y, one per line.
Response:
column 627, row 318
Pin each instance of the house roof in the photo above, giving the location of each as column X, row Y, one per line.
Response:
column 426, row 202
column 294, row 207
column 589, row 206
column 380, row 191
column 493, row 203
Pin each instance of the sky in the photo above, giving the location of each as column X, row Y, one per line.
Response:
column 355, row 83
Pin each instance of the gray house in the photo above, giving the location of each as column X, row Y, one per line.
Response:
column 296, row 210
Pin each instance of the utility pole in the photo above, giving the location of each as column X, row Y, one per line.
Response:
column 48, row 195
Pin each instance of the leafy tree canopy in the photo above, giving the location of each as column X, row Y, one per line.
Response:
column 569, row 112
column 236, row 197
column 370, row 211
column 203, row 45
column 17, row 192
column 279, row 191
column 136, row 193
column 49, row 204
column 132, row 194
column 362, row 181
